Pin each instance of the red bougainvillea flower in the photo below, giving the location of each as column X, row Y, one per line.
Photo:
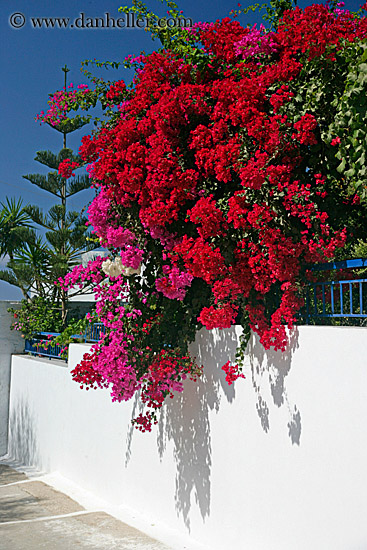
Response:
column 205, row 187
column 66, row 168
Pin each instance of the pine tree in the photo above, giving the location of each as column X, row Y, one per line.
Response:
column 66, row 231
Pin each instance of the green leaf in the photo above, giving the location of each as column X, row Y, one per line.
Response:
column 350, row 173
column 341, row 166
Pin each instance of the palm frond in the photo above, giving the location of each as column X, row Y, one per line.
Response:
column 8, row 276
column 14, row 221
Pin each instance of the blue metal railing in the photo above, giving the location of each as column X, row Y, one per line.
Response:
column 324, row 299
column 337, row 299
column 39, row 346
column 94, row 331
column 343, row 264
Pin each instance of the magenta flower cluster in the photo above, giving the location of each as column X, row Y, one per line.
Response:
column 132, row 256
column 256, row 42
column 83, row 275
column 98, row 214
column 119, row 237
column 174, row 284
column 115, row 361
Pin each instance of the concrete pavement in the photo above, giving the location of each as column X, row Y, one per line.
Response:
column 34, row 516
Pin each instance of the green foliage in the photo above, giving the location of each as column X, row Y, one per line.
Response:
column 349, row 123
column 38, row 217
column 275, row 9
column 169, row 37
column 360, row 250
column 77, row 184
column 69, row 335
column 335, row 93
column 39, row 315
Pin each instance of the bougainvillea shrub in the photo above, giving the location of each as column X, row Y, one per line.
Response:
column 218, row 181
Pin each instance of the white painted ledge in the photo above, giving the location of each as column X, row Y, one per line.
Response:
column 275, row 462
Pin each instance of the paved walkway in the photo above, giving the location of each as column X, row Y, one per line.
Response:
column 34, row 516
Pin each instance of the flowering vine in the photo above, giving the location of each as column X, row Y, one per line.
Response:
column 213, row 195
column 62, row 102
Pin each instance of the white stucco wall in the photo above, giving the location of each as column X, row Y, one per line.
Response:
column 10, row 342
column 275, row 462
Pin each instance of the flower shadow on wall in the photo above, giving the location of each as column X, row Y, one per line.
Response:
column 23, row 446
column 185, row 420
column 274, row 365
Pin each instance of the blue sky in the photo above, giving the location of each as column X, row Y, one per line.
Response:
column 31, row 61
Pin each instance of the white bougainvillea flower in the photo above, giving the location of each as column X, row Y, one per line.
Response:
column 115, row 268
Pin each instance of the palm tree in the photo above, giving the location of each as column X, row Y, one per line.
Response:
column 15, row 231
column 31, row 266
column 15, row 223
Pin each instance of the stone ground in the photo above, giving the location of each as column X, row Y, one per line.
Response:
column 34, row 516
